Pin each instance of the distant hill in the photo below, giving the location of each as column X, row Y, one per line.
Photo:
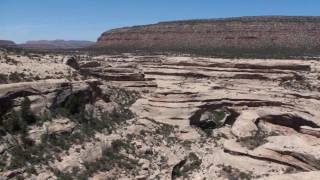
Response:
column 56, row 44
column 7, row 43
column 264, row 34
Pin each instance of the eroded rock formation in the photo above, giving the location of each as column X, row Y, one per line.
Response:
column 166, row 117
column 236, row 33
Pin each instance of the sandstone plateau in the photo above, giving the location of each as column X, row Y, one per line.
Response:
column 278, row 33
column 158, row 117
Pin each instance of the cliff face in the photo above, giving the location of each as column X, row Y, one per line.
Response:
column 244, row 32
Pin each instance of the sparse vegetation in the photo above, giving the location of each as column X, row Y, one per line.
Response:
column 257, row 140
column 111, row 158
column 187, row 144
column 121, row 96
column 297, row 82
column 190, row 163
column 16, row 77
column 165, row 130
column 3, row 79
column 17, row 121
column 26, row 154
column 232, row 173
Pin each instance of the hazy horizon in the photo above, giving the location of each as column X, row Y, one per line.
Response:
column 23, row 21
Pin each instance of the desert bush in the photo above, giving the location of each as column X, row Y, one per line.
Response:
column 3, row 79
column 26, row 113
column 111, row 158
column 28, row 154
column 165, row 130
column 190, row 163
column 234, row 174
column 16, row 77
column 17, row 121
column 13, row 123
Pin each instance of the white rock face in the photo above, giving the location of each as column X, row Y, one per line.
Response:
column 245, row 126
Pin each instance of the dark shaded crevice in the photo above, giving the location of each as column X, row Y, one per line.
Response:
column 116, row 76
column 250, row 76
column 240, row 102
column 6, row 102
column 230, row 114
column 190, row 74
column 141, row 86
column 247, row 66
column 5, row 105
column 265, row 159
column 204, row 68
column 303, row 96
column 176, row 93
column 194, row 119
column 232, row 117
column 303, row 158
column 176, row 169
column 292, row 121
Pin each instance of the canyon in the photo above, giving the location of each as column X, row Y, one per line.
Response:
column 152, row 113
column 158, row 117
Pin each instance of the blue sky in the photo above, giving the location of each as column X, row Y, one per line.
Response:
column 22, row 20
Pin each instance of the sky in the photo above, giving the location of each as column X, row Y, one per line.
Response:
column 22, row 20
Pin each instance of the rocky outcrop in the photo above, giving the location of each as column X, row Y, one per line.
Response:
column 235, row 33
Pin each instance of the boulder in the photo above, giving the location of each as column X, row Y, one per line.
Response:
column 245, row 126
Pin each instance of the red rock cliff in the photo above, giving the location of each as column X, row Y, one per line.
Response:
column 243, row 32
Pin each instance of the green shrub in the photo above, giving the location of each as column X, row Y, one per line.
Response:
column 28, row 154
column 26, row 113
column 16, row 77
column 17, row 121
column 190, row 163
column 111, row 158
column 3, row 79
column 233, row 173
column 13, row 122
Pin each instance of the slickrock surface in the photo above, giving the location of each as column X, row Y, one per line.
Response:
column 161, row 117
column 244, row 32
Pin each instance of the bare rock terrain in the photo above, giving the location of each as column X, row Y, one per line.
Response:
column 158, row 117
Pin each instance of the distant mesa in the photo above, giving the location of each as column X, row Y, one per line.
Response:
column 56, row 44
column 292, row 32
column 7, row 43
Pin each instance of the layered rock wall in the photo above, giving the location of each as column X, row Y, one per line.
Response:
column 244, row 32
